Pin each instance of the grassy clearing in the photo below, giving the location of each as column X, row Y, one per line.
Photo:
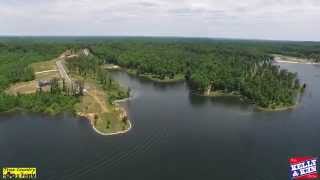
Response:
column 88, row 105
column 22, row 88
column 44, row 66
column 47, row 75
column 105, row 117
column 111, row 123
column 31, row 86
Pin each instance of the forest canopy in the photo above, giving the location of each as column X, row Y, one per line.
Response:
column 208, row 65
column 227, row 66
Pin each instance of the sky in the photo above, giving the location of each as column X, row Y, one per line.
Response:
column 245, row 19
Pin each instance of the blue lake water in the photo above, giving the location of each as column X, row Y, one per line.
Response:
column 175, row 135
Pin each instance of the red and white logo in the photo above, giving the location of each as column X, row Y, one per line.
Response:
column 303, row 168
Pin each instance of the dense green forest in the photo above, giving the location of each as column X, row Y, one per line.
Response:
column 230, row 67
column 15, row 58
column 39, row 102
column 208, row 65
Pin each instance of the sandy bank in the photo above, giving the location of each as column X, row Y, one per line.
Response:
column 294, row 62
column 291, row 60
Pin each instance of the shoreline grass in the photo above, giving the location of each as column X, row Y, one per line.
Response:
column 154, row 78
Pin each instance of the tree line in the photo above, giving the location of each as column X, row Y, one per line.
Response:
column 209, row 67
column 207, row 64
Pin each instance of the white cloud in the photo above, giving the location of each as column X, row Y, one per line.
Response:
column 270, row 19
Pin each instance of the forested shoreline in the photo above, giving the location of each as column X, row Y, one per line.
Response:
column 208, row 65
column 208, row 68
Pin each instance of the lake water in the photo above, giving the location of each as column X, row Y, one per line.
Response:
column 175, row 135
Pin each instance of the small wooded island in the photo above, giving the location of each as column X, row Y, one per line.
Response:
column 54, row 75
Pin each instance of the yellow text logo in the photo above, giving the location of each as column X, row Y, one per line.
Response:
column 19, row 173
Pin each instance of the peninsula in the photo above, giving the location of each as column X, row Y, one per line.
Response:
column 90, row 97
column 77, row 77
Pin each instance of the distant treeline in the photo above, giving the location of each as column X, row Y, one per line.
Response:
column 207, row 64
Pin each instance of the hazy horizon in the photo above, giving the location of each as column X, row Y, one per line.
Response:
column 285, row 20
column 134, row 36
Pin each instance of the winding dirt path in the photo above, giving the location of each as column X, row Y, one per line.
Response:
column 101, row 103
column 41, row 72
column 93, row 93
